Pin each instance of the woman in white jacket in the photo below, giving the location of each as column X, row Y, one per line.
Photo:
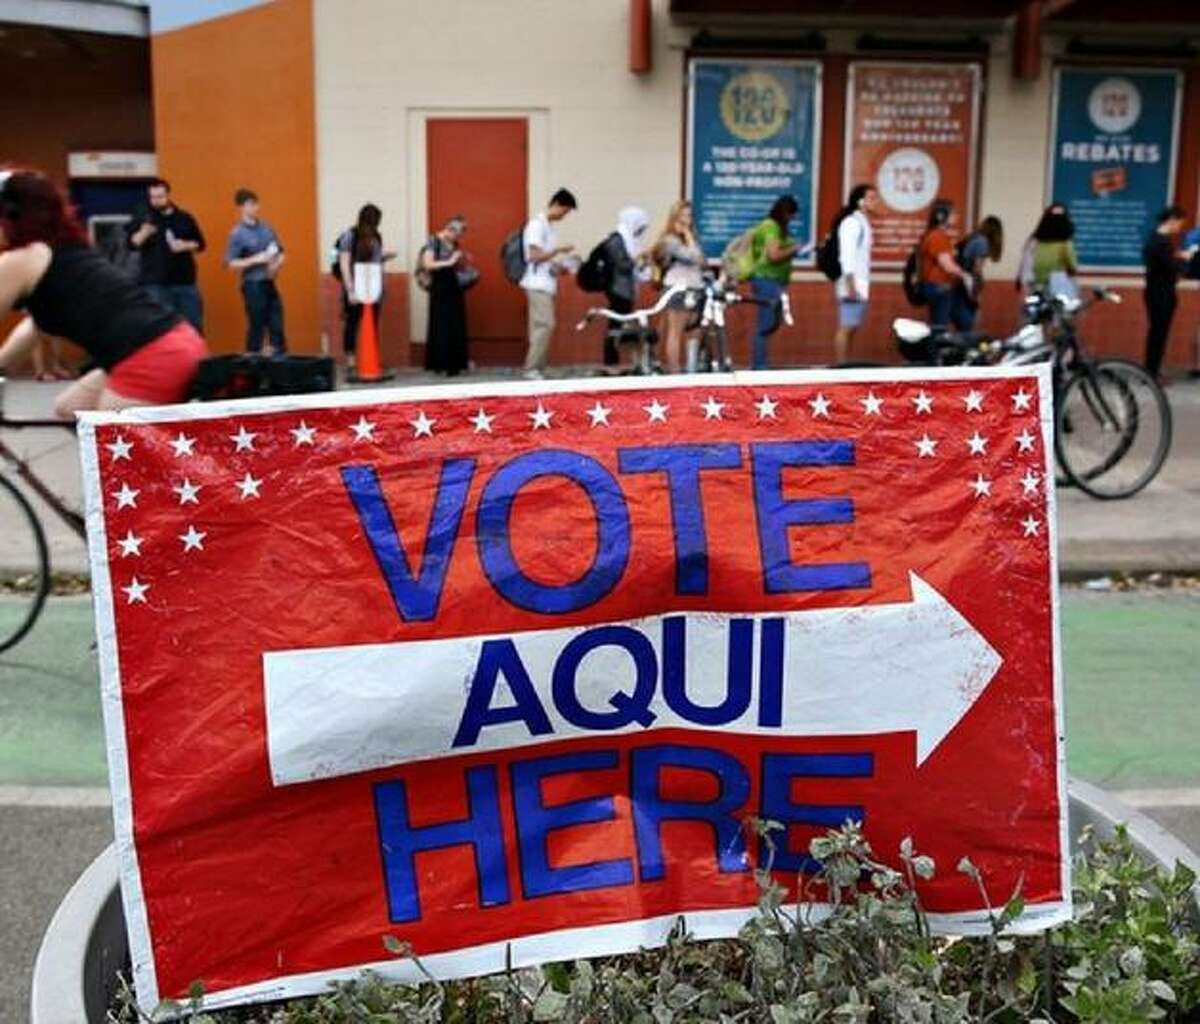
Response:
column 853, row 288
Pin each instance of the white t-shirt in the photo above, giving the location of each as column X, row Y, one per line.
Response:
column 854, row 253
column 540, row 277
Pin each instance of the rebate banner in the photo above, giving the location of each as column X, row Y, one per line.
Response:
column 912, row 130
column 1113, row 165
column 752, row 130
column 504, row 671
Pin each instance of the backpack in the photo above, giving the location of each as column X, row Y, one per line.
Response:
column 512, row 255
column 595, row 275
column 910, row 276
column 737, row 258
column 335, row 260
column 423, row 277
column 829, row 251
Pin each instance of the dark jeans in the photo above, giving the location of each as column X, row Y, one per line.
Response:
column 768, row 290
column 264, row 312
column 1160, row 308
column 939, row 298
column 184, row 299
column 351, row 319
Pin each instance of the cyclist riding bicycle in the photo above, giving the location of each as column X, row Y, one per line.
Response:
column 144, row 353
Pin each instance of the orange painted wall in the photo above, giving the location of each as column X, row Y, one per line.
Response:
column 233, row 107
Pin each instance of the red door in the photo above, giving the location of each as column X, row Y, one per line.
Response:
column 477, row 167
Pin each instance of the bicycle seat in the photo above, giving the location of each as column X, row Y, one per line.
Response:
column 910, row 331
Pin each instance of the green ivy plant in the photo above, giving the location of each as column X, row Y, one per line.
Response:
column 856, row 950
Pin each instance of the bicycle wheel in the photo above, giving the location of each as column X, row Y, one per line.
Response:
column 1113, row 429
column 24, row 566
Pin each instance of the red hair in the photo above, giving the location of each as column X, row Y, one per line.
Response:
column 32, row 209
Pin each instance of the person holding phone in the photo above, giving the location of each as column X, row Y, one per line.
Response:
column 255, row 251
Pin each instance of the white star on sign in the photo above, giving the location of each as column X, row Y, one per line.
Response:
column 482, row 421
column 1021, row 400
column 1029, row 482
column 422, row 425
column 923, row 402
column 126, row 497
column 973, row 401
column 871, row 404
column 819, row 406
column 766, row 408
column 656, row 411
column 136, row 591
column 131, row 544
column 977, row 443
column 183, row 445
column 364, row 429
column 599, row 414
column 540, row 417
column 187, row 492
column 981, row 487
column 1031, row 526
column 926, row 446
column 712, row 408
column 193, row 540
column 1025, row 441
column 243, row 439
column 120, row 449
column 249, row 486
column 303, row 434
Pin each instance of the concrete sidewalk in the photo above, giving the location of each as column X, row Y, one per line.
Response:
column 1158, row 529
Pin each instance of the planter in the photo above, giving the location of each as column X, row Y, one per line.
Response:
column 85, row 945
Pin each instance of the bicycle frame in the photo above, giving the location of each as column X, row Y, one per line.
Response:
column 21, row 467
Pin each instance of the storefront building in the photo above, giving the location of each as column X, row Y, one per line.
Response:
column 483, row 108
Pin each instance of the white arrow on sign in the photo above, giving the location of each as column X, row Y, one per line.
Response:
column 913, row 666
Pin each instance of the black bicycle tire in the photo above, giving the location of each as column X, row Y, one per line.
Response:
column 43, row 553
column 1085, row 481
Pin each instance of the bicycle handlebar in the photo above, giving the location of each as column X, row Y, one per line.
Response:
column 638, row 315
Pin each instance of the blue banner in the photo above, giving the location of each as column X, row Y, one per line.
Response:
column 752, row 128
column 1113, row 163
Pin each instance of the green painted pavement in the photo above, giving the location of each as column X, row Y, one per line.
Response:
column 1132, row 686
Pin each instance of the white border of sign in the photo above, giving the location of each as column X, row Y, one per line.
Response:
column 528, row 950
column 808, row 244
column 1052, row 140
column 967, row 220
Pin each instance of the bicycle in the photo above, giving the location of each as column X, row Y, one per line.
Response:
column 25, row 586
column 711, row 351
column 1113, row 425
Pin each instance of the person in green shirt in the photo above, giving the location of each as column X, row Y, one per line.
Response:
column 772, row 250
column 1049, row 262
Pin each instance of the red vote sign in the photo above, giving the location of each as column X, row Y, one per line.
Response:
column 504, row 670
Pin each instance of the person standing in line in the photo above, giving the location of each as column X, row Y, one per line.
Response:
column 360, row 244
column 255, row 250
column 1164, row 263
column 854, row 253
column 167, row 239
column 446, row 336
column 625, row 254
column 772, row 249
column 939, row 270
column 679, row 254
column 986, row 242
column 1049, row 261
column 540, row 280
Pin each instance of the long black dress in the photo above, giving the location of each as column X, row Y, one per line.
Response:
column 446, row 339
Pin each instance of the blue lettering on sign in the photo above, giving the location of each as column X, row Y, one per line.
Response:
column 650, row 810
column 770, row 674
column 777, row 513
column 778, row 771
column 400, row 842
column 682, row 464
column 416, row 597
column 627, row 708
column 535, row 821
column 496, row 658
column 737, row 675
column 494, row 523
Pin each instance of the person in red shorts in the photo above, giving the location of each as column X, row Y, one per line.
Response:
column 145, row 354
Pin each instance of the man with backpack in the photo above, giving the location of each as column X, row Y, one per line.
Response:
column 540, row 279
column 845, row 257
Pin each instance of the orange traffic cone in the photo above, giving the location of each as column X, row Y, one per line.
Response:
column 369, row 368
